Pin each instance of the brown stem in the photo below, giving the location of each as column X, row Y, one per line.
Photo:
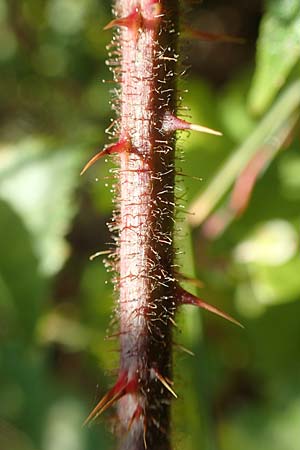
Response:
column 148, row 39
column 148, row 290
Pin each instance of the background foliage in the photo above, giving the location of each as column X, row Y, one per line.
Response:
column 241, row 389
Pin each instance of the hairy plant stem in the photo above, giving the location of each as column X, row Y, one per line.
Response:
column 147, row 287
column 149, row 293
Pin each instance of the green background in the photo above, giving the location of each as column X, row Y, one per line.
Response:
column 241, row 390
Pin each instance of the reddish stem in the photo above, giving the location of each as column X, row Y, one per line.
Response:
column 148, row 291
column 146, row 195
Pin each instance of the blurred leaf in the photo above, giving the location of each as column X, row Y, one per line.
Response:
column 24, row 386
column 39, row 184
column 236, row 120
column 202, row 108
column 267, row 428
column 21, row 286
column 63, row 427
column 55, row 362
column 97, row 304
column 277, row 53
column 271, row 267
column 273, row 243
column 269, row 286
column 12, row 438
column 282, row 115
column 58, row 327
column 268, row 268
column 190, row 415
column 202, row 152
column 68, row 17
column 289, row 170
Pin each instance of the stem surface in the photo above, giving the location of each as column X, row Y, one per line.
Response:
column 146, row 197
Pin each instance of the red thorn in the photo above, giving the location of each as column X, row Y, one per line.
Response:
column 136, row 20
column 135, row 416
column 122, row 387
column 132, row 21
column 114, row 394
column 132, row 385
column 120, row 147
column 215, row 37
column 173, row 123
column 186, row 298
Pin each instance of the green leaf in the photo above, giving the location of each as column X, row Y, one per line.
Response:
column 39, row 184
column 272, row 130
column 237, row 122
column 263, row 428
column 21, row 286
column 289, row 169
column 271, row 268
column 278, row 51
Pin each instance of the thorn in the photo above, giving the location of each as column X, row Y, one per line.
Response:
column 135, row 416
column 184, row 349
column 119, row 147
column 164, row 382
column 93, row 160
column 132, row 22
column 122, row 387
column 108, row 400
column 136, row 20
column 186, row 298
column 173, row 123
column 202, row 129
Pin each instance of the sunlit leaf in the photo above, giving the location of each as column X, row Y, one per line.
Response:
column 281, row 116
column 277, row 53
column 39, row 184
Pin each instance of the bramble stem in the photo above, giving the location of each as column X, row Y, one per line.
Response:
column 148, row 42
column 149, row 293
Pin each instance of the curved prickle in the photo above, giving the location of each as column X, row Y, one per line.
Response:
column 122, row 387
column 121, row 146
column 186, row 298
column 172, row 123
